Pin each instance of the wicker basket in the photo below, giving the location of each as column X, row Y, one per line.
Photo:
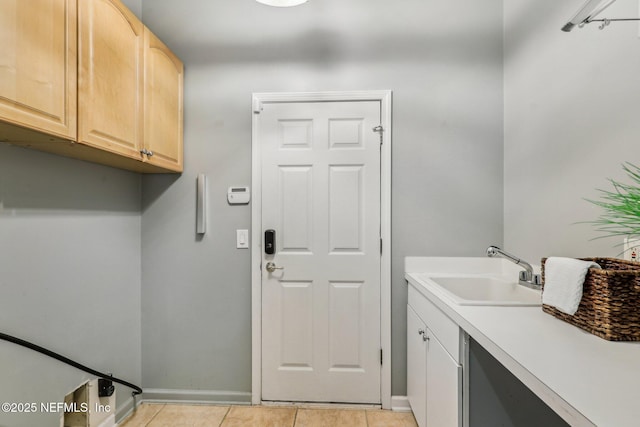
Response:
column 610, row 305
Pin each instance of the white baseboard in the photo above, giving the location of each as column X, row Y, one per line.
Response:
column 125, row 410
column 158, row 395
column 400, row 404
column 202, row 397
column 322, row 405
column 110, row 421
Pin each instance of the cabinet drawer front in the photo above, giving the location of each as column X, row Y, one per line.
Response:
column 445, row 329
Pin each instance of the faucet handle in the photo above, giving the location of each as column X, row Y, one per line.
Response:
column 530, row 280
column 530, row 277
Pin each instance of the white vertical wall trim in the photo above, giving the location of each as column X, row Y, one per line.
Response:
column 256, row 258
column 160, row 395
column 385, row 231
column 384, row 96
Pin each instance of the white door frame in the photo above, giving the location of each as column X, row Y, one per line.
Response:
column 384, row 96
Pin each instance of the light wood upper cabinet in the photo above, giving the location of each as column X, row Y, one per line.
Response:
column 38, row 66
column 86, row 79
column 110, row 84
column 163, row 100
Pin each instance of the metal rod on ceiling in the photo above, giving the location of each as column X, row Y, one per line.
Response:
column 587, row 13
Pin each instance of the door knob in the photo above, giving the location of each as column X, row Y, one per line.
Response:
column 271, row 267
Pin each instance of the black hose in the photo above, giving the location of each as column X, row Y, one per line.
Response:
column 27, row 344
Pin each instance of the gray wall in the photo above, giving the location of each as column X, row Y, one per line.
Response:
column 135, row 6
column 498, row 398
column 70, row 230
column 571, row 119
column 69, row 276
column 443, row 62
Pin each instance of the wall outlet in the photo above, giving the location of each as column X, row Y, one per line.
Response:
column 631, row 249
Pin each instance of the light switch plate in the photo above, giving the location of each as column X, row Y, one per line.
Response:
column 242, row 239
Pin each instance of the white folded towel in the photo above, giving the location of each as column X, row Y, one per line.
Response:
column 563, row 280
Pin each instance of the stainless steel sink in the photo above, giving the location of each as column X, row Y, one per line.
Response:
column 485, row 290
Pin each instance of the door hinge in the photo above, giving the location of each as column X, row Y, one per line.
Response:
column 380, row 246
column 257, row 106
column 380, row 357
column 379, row 129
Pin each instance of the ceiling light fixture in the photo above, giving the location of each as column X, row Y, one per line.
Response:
column 282, row 3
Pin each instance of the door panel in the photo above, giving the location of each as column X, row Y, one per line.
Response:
column 345, row 331
column 346, row 220
column 296, row 184
column 321, row 193
column 346, row 133
column 296, row 134
column 296, row 325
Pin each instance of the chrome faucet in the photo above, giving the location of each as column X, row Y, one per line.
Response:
column 527, row 277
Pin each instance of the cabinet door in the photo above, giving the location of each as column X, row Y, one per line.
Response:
column 163, row 85
column 417, row 367
column 444, row 386
column 110, row 77
column 38, row 65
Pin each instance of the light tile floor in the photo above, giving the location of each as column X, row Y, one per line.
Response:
column 169, row 415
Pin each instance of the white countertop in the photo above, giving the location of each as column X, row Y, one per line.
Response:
column 585, row 379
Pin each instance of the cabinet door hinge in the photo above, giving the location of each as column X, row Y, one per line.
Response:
column 380, row 357
column 380, row 246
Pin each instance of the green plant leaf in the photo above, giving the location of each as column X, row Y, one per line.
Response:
column 621, row 206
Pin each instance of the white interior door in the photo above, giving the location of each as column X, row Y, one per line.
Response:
column 321, row 196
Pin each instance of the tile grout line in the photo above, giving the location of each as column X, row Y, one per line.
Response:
column 294, row 421
column 156, row 414
column 225, row 416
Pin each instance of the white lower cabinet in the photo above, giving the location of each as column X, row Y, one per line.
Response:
column 434, row 374
column 444, row 386
column 417, row 366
